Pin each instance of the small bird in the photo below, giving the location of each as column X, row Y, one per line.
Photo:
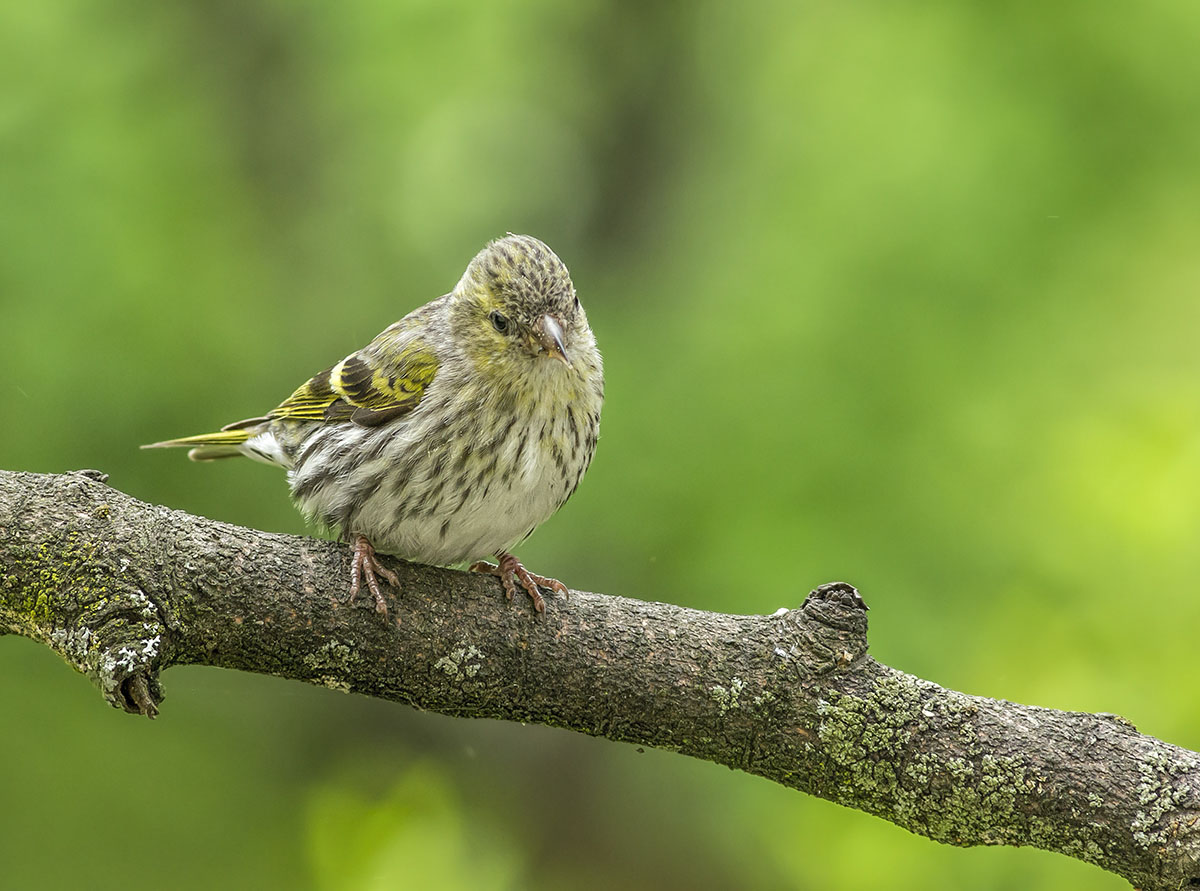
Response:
column 453, row 434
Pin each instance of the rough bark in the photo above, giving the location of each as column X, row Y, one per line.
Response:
column 123, row 589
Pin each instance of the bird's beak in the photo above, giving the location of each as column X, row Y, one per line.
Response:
column 549, row 334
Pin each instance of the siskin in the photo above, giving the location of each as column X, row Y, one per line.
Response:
column 454, row 433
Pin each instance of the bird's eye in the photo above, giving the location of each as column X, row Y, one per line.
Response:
column 499, row 322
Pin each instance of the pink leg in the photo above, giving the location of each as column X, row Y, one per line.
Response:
column 510, row 571
column 363, row 564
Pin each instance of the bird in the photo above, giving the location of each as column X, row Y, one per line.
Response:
column 453, row 434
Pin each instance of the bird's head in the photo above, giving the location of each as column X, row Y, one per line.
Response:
column 515, row 303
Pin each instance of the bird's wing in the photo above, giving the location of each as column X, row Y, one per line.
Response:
column 379, row 383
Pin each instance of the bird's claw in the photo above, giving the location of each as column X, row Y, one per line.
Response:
column 510, row 571
column 365, row 565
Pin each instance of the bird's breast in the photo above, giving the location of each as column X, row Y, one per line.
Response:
column 467, row 476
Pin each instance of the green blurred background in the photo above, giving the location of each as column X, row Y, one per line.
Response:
column 902, row 294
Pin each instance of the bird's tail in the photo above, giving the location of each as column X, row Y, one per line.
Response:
column 225, row 443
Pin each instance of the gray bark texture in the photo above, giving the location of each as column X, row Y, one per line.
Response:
column 122, row 589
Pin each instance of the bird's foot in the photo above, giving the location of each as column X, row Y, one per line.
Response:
column 365, row 565
column 510, row 571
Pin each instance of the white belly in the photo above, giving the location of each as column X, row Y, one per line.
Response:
column 431, row 491
column 485, row 521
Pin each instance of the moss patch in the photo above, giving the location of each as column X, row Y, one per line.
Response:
column 908, row 751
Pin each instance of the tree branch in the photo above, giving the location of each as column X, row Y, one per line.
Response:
column 123, row 589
